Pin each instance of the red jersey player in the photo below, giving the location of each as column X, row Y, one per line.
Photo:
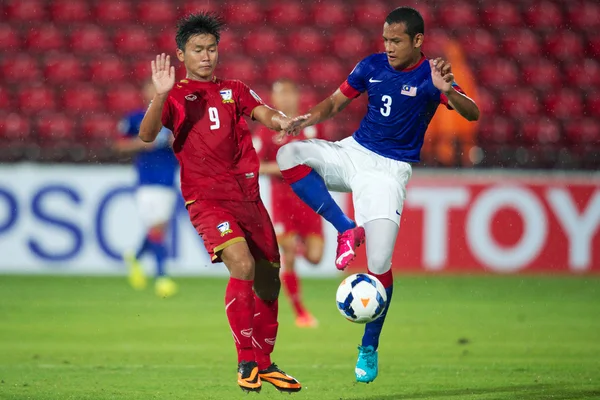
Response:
column 219, row 182
column 292, row 218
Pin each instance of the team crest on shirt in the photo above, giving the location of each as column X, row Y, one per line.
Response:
column 409, row 90
column 226, row 95
column 224, row 228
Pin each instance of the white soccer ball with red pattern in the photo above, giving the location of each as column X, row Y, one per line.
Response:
column 361, row 298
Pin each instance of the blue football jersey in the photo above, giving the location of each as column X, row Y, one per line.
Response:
column 154, row 167
column 401, row 105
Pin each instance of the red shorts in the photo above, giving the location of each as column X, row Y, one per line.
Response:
column 222, row 223
column 293, row 216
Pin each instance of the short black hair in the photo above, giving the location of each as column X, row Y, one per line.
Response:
column 198, row 24
column 411, row 18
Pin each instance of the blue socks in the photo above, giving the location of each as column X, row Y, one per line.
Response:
column 312, row 190
column 373, row 329
column 159, row 249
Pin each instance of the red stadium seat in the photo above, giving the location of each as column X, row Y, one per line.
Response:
column 584, row 73
column 25, row 11
column 9, row 38
column 422, row 7
column 244, row 12
column 286, row 13
column 436, row 43
column 326, row 72
column 542, row 130
column 133, row 39
column 500, row 14
column 195, row 6
column 346, row 43
column 480, row 43
column 14, row 128
column 583, row 131
column 486, row 101
column 37, row 98
column 62, row 68
column 520, row 102
column 461, row 14
column 308, row 98
column 165, row 42
column 89, row 39
column 45, row 38
column 113, row 12
column 123, row 98
column 592, row 104
column 262, row 42
column 244, row 69
column 306, row 41
column 156, row 12
column 541, row 73
column 330, row 13
column 99, row 129
column 283, row 68
column 108, row 69
column 521, row 44
column 20, row 67
column 230, row 41
column 495, row 129
column 141, row 70
column 584, row 15
column 68, row 11
column 499, row 73
column 565, row 45
column 370, row 14
column 5, row 99
column 564, row 103
column 52, row 127
column 593, row 48
column 82, row 98
column 543, row 14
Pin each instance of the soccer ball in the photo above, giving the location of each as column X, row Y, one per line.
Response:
column 361, row 298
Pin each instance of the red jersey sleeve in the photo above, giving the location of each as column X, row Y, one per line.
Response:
column 248, row 100
column 444, row 99
column 167, row 114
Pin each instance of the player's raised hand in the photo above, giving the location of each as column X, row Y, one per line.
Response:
column 163, row 74
column 441, row 74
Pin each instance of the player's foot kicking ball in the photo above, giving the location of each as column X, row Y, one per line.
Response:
column 282, row 381
column 347, row 243
column 165, row 287
column 137, row 278
column 248, row 377
column 366, row 365
column 306, row 320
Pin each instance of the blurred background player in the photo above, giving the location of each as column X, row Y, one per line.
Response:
column 155, row 195
column 297, row 226
column 405, row 90
column 219, row 182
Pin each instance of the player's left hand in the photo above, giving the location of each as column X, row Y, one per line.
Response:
column 293, row 126
column 441, row 74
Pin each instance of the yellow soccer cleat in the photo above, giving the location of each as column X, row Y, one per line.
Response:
column 165, row 287
column 137, row 277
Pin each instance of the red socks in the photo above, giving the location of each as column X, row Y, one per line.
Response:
column 265, row 331
column 291, row 285
column 386, row 279
column 239, row 307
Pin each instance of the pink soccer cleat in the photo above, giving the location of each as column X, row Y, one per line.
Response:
column 347, row 243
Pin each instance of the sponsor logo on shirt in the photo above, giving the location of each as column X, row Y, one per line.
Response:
column 226, row 95
column 224, row 228
column 191, row 97
column 409, row 90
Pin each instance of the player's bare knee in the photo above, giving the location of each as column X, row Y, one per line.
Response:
column 313, row 257
column 239, row 261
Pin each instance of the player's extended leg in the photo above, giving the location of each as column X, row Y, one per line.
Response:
column 296, row 161
column 266, row 289
column 239, row 307
column 381, row 238
column 291, row 283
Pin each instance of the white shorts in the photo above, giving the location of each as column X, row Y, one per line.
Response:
column 378, row 184
column 155, row 203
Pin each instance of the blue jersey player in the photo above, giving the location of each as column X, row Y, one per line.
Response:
column 155, row 196
column 404, row 89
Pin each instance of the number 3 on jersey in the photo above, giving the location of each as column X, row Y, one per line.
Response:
column 213, row 115
column 387, row 105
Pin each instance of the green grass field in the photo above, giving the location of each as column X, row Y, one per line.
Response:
column 446, row 338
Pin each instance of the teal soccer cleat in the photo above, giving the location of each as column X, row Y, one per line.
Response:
column 366, row 365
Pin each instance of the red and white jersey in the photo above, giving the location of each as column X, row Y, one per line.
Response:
column 212, row 141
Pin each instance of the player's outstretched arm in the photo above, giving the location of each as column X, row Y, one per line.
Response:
column 442, row 77
column 163, row 77
column 326, row 109
column 275, row 119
